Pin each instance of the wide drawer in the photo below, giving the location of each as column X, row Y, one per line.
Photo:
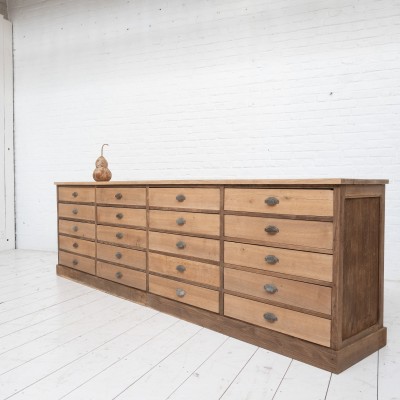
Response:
column 125, row 276
column 80, row 263
column 304, row 295
column 314, row 234
column 77, row 245
column 207, row 274
column 196, row 198
column 292, row 262
column 185, row 293
column 124, row 236
column 121, row 216
column 198, row 223
column 76, row 211
column 280, row 201
column 121, row 195
column 293, row 323
column 185, row 245
column 76, row 194
column 121, row 255
column 81, row 229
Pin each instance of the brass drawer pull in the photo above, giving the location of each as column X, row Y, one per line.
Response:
column 75, row 245
column 180, row 292
column 75, row 228
column 75, row 211
column 180, row 198
column 271, row 259
column 120, row 215
column 270, row 317
column 118, row 275
column 75, row 194
column 272, row 201
column 75, row 261
column 181, row 268
column 270, row 288
column 181, row 221
column 118, row 196
column 118, row 255
column 119, row 235
column 180, row 245
column 272, row 229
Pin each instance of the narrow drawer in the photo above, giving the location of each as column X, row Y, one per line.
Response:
column 185, row 293
column 126, row 276
column 75, row 228
column 77, row 245
column 196, row 198
column 207, row 274
column 76, row 211
column 76, row 194
column 305, row 295
column 121, row 195
column 185, row 245
column 124, row 236
column 121, row 216
column 280, row 201
column 292, row 262
column 80, row 263
column 199, row 223
column 280, row 231
column 121, row 255
column 293, row 323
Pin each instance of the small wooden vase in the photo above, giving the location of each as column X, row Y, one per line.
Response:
column 102, row 173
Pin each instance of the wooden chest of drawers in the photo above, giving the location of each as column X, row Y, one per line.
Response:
column 294, row 266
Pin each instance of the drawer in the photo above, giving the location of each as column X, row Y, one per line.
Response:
column 185, row 293
column 121, row 195
column 280, row 201
column 292, row 262
column 76, row 194
column 77, row 245
column 199, row 223
column 124, row 236
column 207, row 274
column 282, row 231
column 185, row 245
column 76, row 211
column 293, row 323
column 198, row 198
column 121, row 216
column 80, row 263
column 81, row 229
column 304, row 295
column 125, row 276
column 121, row 255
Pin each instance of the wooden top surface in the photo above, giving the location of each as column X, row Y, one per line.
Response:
column 264, row 182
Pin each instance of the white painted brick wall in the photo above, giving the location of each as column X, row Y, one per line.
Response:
column 204, row 89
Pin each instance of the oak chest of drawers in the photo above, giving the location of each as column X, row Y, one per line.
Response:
column 294, row 266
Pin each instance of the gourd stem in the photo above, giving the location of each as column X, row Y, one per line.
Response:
column 102, row 148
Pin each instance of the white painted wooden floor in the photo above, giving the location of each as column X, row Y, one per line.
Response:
column 63, row 340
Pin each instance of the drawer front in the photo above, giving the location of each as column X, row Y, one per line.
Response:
column 80, row 263
column 292, row 262
column 198, row 272
column 121, row 255
column 76, row 194
column 281, row 231
column 185, row 245
column 198, row 223
column 77, row 245
column 81, row 229
column 197, row 198
column 76, row 211
column 121, row 216
column 125, row 276
column 185, row 293
column 124, row 196
column 124, row 236
column 280, row 201
column 293, row 323
column 305, row 295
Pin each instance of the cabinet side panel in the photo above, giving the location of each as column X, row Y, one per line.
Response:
column 360, row 265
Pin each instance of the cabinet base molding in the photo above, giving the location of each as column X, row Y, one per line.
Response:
column 326, row 358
